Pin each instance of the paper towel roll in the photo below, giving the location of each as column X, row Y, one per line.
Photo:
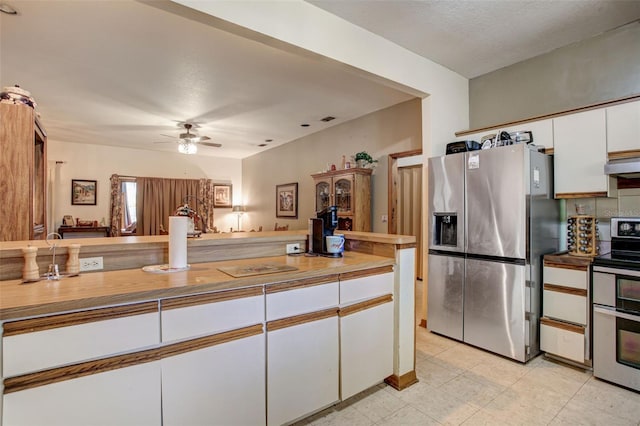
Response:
column 178, row 241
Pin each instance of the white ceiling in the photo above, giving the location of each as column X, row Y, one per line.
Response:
column 125, row 73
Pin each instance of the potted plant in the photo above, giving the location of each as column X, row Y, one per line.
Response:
column 363, row 159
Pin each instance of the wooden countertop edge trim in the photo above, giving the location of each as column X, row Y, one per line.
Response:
column 598, row 105
column 565, row 290
column 581, row 194
column 9, row 249
column 301, row 283
column 619, row 155
column 13, row 328
column 562, row 325
column 213, row 297
column 366, row 272
column 59, row 374
column 584, row 266
column 52, row 308
column 212, row 340
column 301, row 319
column 367, row 304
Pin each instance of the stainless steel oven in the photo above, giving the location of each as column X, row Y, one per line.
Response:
column 616, row 307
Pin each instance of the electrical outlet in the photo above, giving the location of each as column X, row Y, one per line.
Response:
column 293, row 248
column 91, row 264
column 385, row 218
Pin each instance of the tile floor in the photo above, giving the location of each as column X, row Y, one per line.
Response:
column 460, row 384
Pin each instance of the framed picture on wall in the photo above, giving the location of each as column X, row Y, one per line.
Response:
column 287, row 200
column 222, row 195
column 83, row 192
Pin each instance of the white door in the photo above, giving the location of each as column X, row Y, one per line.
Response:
column 125, row 396
column 302, row 369
column 366, row 358
column 222, row 384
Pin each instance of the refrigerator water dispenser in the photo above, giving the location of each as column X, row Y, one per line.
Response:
column 446, row 229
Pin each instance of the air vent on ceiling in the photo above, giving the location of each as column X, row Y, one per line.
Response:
column 327, row 118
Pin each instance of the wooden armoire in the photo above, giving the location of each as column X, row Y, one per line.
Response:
column 23, row 174
column 350, row 191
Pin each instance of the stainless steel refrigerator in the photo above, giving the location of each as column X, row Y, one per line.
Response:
column 492, row 217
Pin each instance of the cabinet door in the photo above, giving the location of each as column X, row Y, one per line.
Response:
column 366, row 346
column 623, row 130
column 562, row 339
column 343, row 193
column 124, row 396
column 223, row 384
column 40, row 343
column 580, row 153
column 193, row 316
column 323, row 195
column 302, row 368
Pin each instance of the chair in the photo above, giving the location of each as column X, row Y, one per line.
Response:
column 281, row 228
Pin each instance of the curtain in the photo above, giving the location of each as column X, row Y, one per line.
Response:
column 116, row 205
column 205, row 194
column 158, row 198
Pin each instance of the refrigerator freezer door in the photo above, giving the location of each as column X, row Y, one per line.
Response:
column 496, row 201
column 445, row 303
column 446, row 201
column 494, row 307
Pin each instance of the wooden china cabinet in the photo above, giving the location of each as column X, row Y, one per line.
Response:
column 23, row 166
column 350, row 191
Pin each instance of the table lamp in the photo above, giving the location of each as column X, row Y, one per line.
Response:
column 239, row 210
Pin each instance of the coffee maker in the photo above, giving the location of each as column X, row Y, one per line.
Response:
column 321, row 227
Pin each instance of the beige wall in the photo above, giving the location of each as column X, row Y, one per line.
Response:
column 598, row 69
column 394, row 129
column 98, row 162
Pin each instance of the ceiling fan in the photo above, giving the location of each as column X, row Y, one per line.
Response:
column 188, row 142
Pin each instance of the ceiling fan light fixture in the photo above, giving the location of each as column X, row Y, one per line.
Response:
column 187, row 148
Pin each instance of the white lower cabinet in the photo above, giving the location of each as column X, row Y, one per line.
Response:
column 562, row 339
column 223, row 384
column 124, row 396
column 366, row 346
column 564, row 326
column 302, row 369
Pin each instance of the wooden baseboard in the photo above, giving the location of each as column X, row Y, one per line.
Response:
column 423, row 323
column 402, row 382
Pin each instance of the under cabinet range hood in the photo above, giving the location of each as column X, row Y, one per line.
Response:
column 624, row 167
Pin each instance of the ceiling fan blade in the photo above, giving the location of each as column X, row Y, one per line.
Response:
column 204, row 138
column 213, row 144
column 164, row 141
column 168, row 136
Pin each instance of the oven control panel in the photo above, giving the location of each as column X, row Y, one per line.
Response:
column 625, row 227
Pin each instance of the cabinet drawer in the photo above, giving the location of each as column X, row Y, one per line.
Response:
column 367, row 287
column 562, row 339
column 566, row 306
column 300, row 300
column 566, row 277
column 198, row 315
column 40, row 343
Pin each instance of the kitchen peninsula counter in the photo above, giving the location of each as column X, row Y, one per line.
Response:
column 94, row 289
column 91, row 346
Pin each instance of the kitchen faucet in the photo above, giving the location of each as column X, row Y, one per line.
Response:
column 54, row 272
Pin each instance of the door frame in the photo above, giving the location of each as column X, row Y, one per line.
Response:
column 392, row 187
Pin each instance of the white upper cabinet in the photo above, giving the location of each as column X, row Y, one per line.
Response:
column 623, row 130
column 580, row 152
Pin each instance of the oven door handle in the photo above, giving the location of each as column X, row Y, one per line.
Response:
column 617, row 314
column 617, row 271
